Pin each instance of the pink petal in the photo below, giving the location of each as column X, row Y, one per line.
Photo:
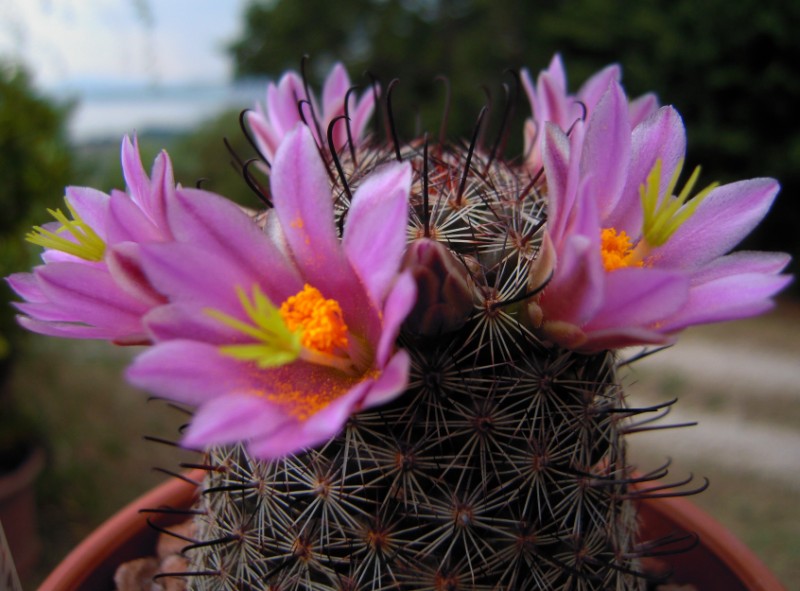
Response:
column 575, row 291
column 336, row 86
column 212, row 223
column 126, row 221
column 68, row 330
column 362, row 114
column 162, row 192
column 304, row 205
column 642, row 107
column 560, row 173
column 135, row 176
column 392, row 381
column 265, row 135
column 399, row 303
column 181, row 272
column 552, row 104
column 26, row 286
column 742, row 262
column 91, row 205
column 187, row 372
column 186, row 321
column 728, row 298
column 639, row 297
column 329, row 421
column 660, row 137
column 595, row 87
column 606, row 150
column 375, row 231
column 282, row 103
column 233, row 417
column 125, row 266
column 288, row 439
column 725, row 216
column 91, row 295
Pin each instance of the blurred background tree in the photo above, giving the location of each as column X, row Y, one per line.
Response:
column 35, row 165
column 730, row 68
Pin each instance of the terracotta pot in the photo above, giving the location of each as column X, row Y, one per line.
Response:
column 125, row 536
column 720, row 562
column 18, row 511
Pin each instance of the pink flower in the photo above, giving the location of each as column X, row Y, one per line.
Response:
column 92, row 284
column 551, row 103
column 295, row 329
column 288, row 99
column 630, row 262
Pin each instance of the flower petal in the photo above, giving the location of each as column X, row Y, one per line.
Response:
column 90, row 295
column 91, row 205
column 333, row 92
column 742, row 262
column 231, row 418
column 375, row 231
column 399, row 303
column 282, row 100
column 639, row 297
column 575, row 290
column 661, row 136
column 304, row 206
column 68, row 330
column 186, row 371
column 607, row 149
column 728, row 298
column 392, row 381
column 725, row 216
column 127, row 222
column 216, row 225
column 135, row 176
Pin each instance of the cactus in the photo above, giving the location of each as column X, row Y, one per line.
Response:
column 501, row 467
column 412, row 352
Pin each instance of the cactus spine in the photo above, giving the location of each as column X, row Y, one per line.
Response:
column 502, row 466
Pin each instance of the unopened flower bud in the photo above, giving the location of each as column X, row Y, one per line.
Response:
column 444, row 296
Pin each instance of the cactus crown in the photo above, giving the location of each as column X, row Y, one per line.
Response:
column 502, row 465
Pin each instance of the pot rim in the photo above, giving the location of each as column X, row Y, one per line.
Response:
column 679, row 512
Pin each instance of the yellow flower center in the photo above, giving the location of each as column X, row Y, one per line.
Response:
column 307, row 326
column 83, row 242
column 617, row 250
column 320, row 320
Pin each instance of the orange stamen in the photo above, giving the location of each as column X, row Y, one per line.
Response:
column 320, row 320
column 617, row 250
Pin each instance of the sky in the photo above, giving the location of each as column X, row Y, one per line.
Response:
column 84, row 43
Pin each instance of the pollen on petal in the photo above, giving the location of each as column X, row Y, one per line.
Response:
column 617, row 250
column 301, row 404
column 319, row 319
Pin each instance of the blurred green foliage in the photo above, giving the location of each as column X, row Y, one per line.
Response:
column 729, row 67
column 35, row 165
column 198, row 157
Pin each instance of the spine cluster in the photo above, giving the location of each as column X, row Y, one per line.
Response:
column 501, row 467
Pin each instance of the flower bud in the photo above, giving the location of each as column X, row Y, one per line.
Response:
column 444, row 294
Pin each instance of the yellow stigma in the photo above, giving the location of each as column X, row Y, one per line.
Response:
column 84, row 242
column 319, row 320
column 663, row 217
column 275, row 344
column 306, row 326
column 617, row 250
